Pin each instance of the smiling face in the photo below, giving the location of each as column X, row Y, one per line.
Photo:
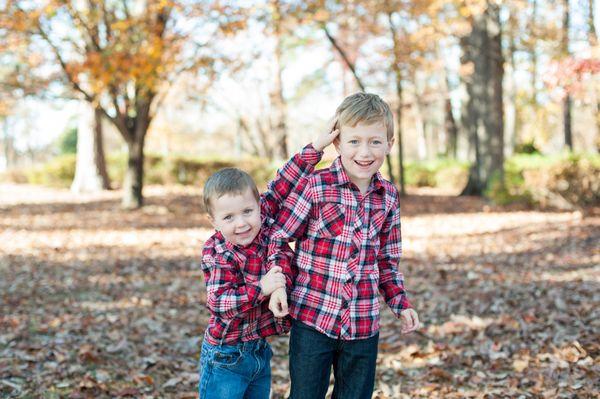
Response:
column 362, row 150
column 236, row 216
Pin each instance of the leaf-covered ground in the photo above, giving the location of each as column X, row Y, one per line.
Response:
column 99, row 302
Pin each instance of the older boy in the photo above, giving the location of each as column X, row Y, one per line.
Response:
column 235, row 357
column 346, row 220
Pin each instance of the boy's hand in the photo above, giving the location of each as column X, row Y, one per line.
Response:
column 327, row 137
column 278, row 303
column 409, row 320
column 271, row 281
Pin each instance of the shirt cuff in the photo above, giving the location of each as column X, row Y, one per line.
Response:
column 254, row 292
column 404, row 304
column 310, row 155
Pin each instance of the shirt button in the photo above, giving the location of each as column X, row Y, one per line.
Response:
column 344, row 304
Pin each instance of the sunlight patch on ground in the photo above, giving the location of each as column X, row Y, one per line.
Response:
column 587, row 274
column 133, row 302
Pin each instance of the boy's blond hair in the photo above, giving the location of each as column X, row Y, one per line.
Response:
column 227, row 181
column 365, row 108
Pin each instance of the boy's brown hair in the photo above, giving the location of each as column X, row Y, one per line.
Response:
column 365, row 108
column 227, row 181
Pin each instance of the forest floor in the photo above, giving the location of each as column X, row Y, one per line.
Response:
column 96, row 301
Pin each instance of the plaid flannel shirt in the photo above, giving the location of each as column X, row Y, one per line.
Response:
column 239, row 311
column 348, row 248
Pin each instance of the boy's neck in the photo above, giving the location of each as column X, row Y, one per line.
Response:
column 363, row 185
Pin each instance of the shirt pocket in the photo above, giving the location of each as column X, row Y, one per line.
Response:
column 331, row 220
column 376, row 222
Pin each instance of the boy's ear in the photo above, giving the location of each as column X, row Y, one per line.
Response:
column 336, row 143
column 211, row 220
column 390, row 145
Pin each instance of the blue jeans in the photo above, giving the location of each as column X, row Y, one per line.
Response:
column 312, row 354
column 241, row 371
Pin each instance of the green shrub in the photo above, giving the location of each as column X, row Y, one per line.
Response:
column 562, row 180
column 67, row 142
column 58, row 172
column 527, row 147
column 511, row 192
column 440, row 172
column 574, row 181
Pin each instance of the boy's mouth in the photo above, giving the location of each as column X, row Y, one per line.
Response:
column 244, row 232
column 364, row 164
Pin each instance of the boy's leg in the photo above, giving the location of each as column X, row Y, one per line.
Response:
column 225, row 372
column 260, row 386
column 354, row 369
column 311, row 356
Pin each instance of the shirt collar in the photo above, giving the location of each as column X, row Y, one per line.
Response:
column 223, row 245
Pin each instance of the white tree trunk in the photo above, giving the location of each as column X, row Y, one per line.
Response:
column 87, row 179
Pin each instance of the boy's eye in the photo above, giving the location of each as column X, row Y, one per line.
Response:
column 228, row 218
column 353, row 141
column 376, row 142
column 248, row 211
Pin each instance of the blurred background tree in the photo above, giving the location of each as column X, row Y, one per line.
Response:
column 472, row 83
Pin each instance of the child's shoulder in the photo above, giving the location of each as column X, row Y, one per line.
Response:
column 320, row 177
column 389, row 187
column 215, row 246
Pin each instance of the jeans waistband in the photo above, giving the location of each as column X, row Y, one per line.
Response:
column 247, row 346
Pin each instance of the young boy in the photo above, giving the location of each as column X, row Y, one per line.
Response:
column 235, row 357
column 346, row 220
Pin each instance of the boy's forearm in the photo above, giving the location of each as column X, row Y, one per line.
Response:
column 391, row 281
column 230, row 302
column 300, row 165
column 391, row 286
column 226, row 295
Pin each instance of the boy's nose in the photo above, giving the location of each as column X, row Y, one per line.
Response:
column 364, row 150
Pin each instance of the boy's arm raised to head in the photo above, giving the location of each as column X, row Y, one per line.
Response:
column 391, row 281
column 226, row 297
column 290, row 225
column 300, row 165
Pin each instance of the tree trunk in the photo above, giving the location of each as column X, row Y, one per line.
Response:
column 512, row 110
column 99, row 158
column 567, row 123
column 90, row 169
column 388, row 162
column 7, row 145
column 593, row 35
column 398, row 80
column 483, row 113
column 422, row 148
column 534, row 63
column 135, row 138
column 451, row 129
column 277, row 100
column 593, row 41
column 134, row 175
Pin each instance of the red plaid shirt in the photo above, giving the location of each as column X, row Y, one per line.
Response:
column 239, row 311
column 348, row 248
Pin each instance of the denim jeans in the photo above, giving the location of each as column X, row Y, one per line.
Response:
column 241, row 371
column 312, row 354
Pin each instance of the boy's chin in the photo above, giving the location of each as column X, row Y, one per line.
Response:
column 242, row 242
